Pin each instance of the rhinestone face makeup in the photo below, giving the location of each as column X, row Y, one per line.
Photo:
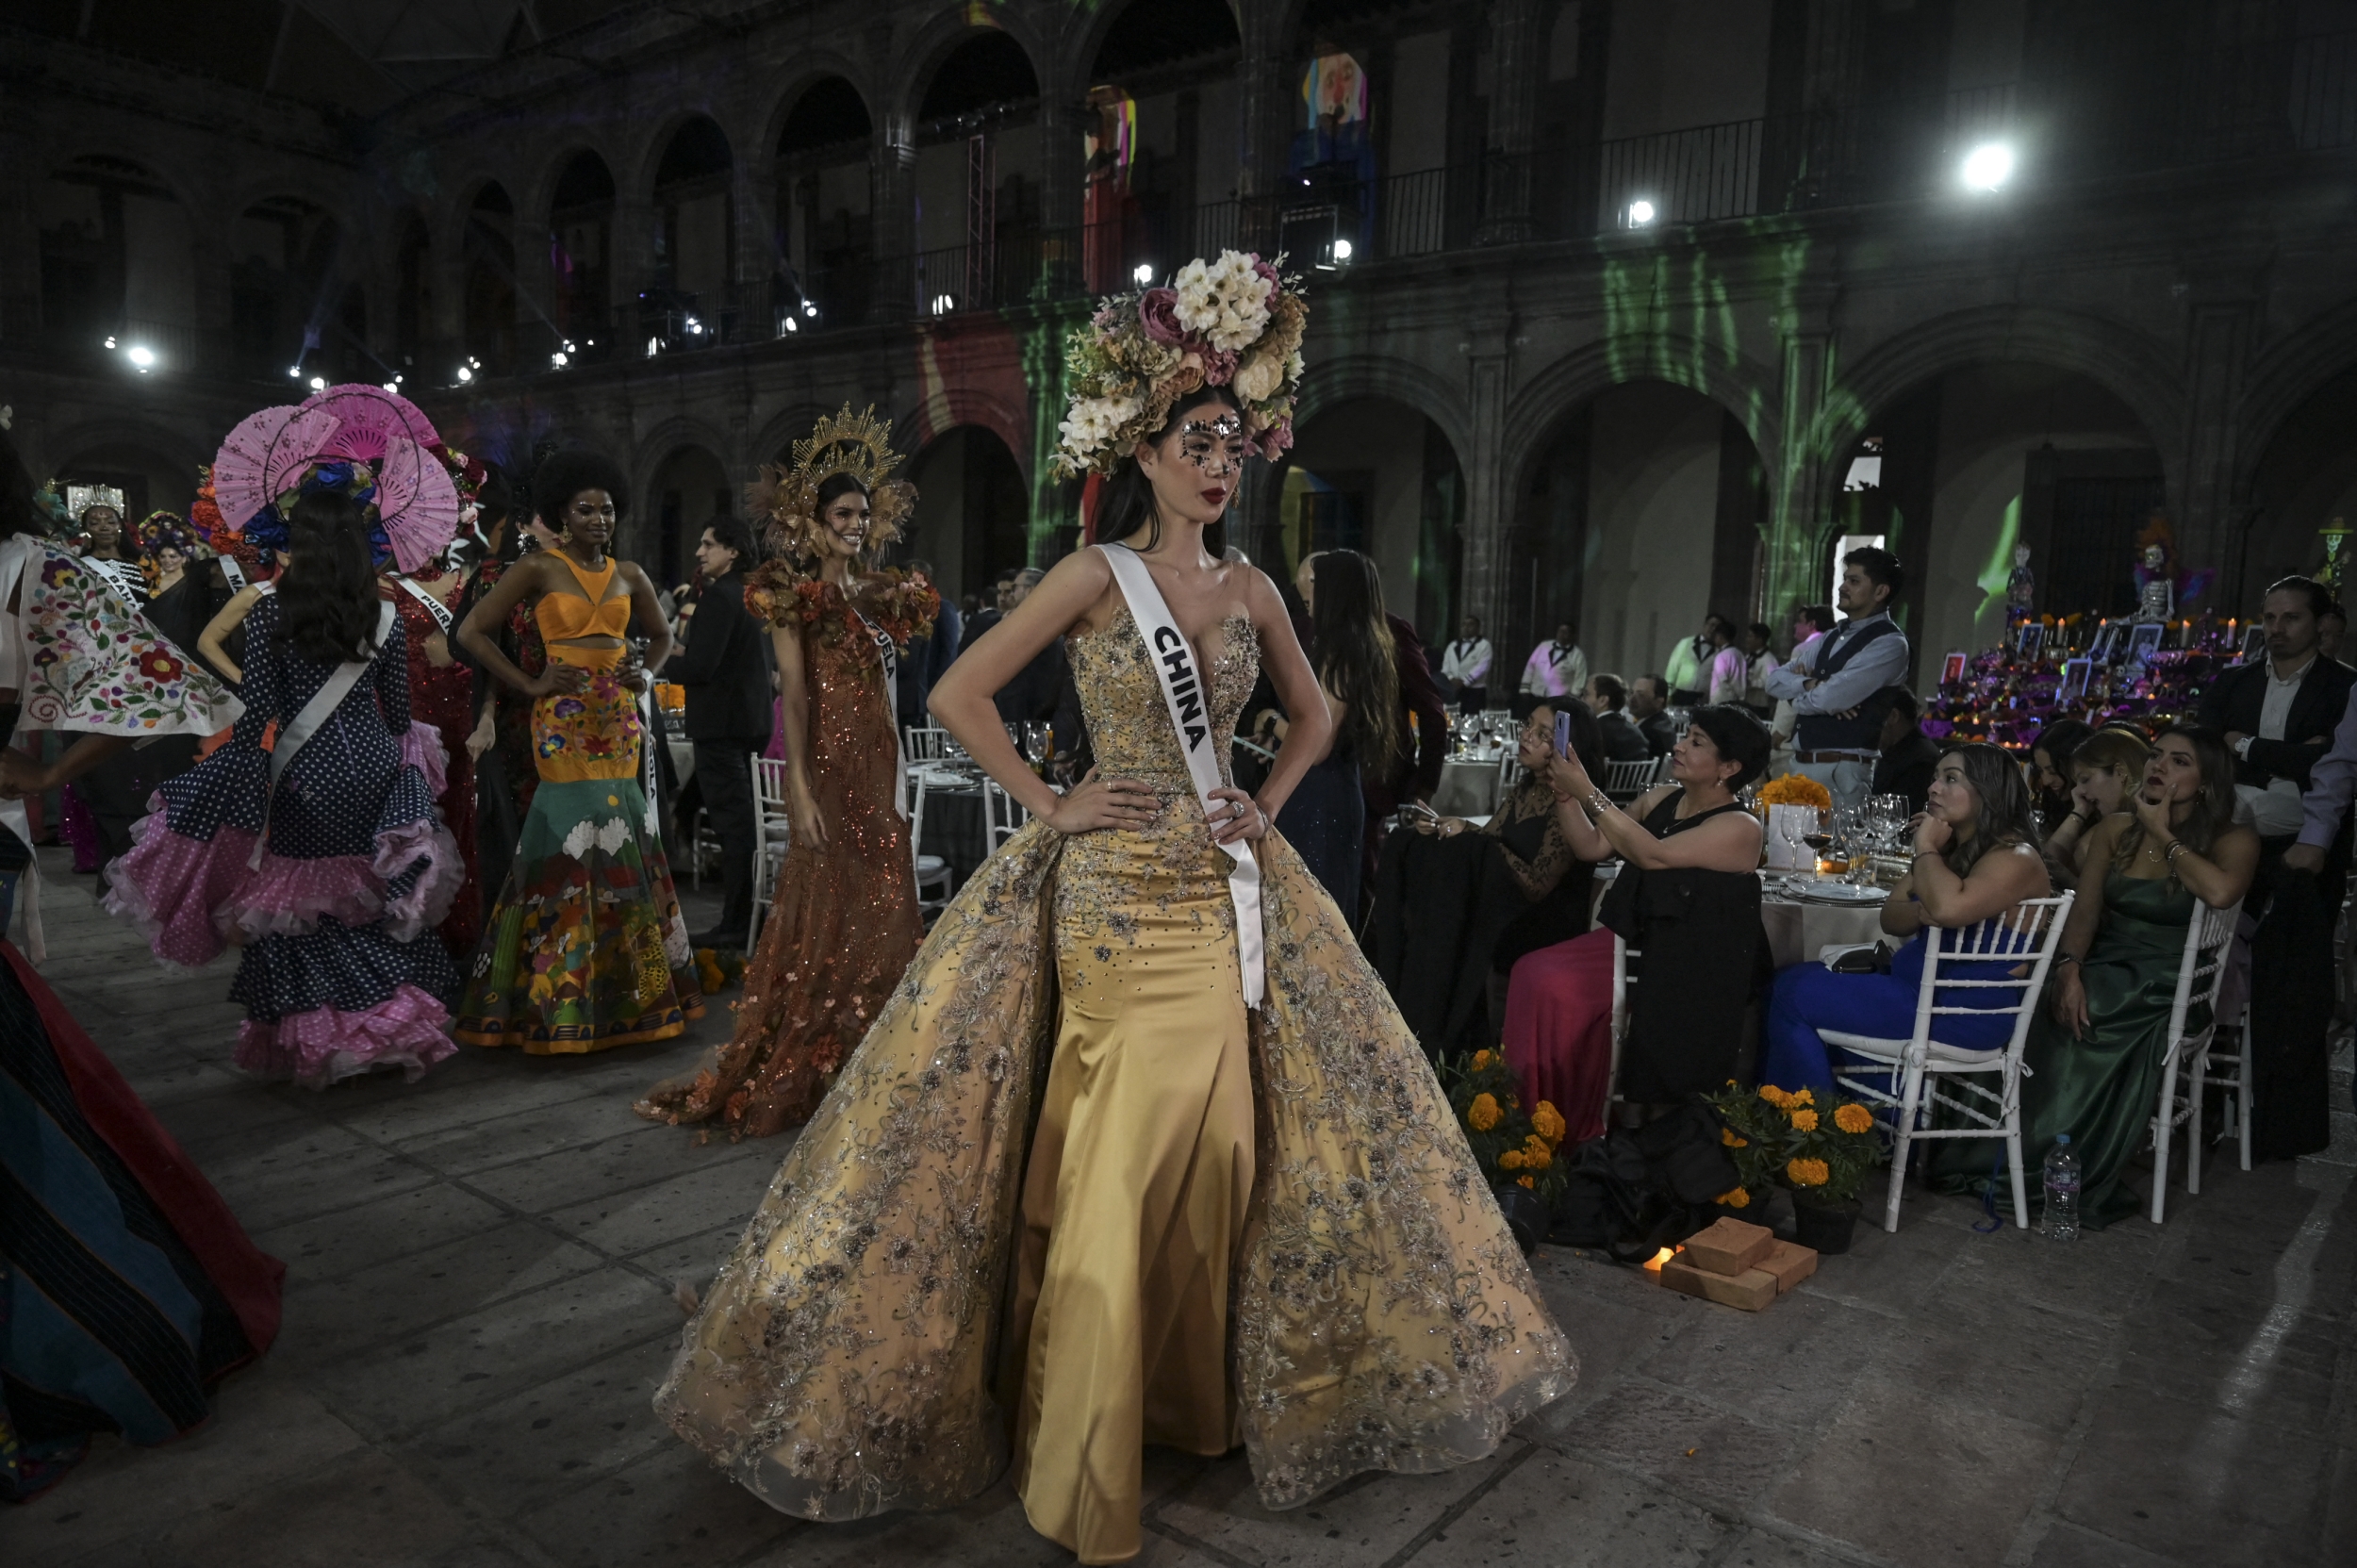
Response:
column 1214, row 446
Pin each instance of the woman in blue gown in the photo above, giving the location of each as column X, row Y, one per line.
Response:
column 1976, row 855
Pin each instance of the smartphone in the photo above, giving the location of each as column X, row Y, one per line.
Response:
column 1562, row 735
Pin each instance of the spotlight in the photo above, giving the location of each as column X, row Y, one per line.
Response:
column 110, row 342
column 1342, row 250
column 809, row 309
column 1144, row 273
column 465, row 373
column 1640, row 213
column 393, row 389
column 792, row 326
column 1988, row 166
column 943, row 303
column 294, row 373
column 142, row 357
column 654, row 346
column 556, row 361
column 319, row 383
column 695, row 325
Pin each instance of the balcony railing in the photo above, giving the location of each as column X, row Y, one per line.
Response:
column 1688, row 176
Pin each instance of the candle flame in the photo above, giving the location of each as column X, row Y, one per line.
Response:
column 1653, row 1264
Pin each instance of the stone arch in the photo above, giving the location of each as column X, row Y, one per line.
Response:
column 1740, row 385
column 539, row 198
column 659, row 545
column 1352, row 377
column 1083, row 46
column 2315, row 352
column 167, row 456
column 2126, row 363
column 778, row 433
column 811, row 69
column 941, row 36
column 650, row 450
column 945, row 407
column 638, row 184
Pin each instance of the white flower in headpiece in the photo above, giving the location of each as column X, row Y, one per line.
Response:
column 1094, row 422
column 1225, row 301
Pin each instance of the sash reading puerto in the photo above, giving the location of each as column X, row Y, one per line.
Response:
column 1174, row 666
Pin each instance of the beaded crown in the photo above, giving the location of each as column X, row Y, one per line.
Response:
column 843, row 443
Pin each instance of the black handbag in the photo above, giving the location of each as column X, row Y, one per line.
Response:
column 1637, row 1189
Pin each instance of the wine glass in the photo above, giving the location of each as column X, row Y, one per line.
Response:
column 1818, row 834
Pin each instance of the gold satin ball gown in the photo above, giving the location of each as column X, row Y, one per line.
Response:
column 1017, row 1225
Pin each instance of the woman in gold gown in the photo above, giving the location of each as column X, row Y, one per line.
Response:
column 1070, row 1196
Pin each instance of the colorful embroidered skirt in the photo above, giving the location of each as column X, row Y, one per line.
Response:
column 586, row 948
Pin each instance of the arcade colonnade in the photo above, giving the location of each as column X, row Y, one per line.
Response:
column 682, row 239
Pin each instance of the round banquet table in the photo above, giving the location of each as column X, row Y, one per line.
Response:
column 1798, row 929
column 954, row 823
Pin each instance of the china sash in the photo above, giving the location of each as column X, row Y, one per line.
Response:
column 891, row 658
column 1189, row 702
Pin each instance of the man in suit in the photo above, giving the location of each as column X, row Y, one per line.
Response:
column 1909, row 757
column 719, row 663
column 2278, row 714
column 1648, row 706
column 1606, row 697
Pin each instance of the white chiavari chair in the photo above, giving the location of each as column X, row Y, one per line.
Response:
column 1911, row 1070
column 769, row 839
column 2192, row 1037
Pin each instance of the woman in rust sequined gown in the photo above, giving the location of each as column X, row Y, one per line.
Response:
column 441, row 694
column 844, row 923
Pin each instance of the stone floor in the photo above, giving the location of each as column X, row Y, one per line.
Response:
column 480, row 1300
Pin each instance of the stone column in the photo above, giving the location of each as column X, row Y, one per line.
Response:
column 1486, row 588
column 2208, row 493
column 630, row 270
column 1063, row 121
column 892, row 213
column 1515, row 65
column 1796, row 468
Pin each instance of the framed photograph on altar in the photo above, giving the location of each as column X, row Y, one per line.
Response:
column 1951, row 669
column 2254, row 643
column 2029, row 639
column 2144, row 640
column 2074, row 680
column 2109, row 644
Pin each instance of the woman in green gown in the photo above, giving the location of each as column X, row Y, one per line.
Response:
column 2094, row 1062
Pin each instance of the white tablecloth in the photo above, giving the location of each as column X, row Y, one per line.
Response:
column 1469, row 787
column 1798, row 930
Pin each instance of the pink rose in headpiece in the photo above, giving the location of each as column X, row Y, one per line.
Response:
column 1267, row 272
column 1158, row 313
column 1277, row 438
column 1219, row 366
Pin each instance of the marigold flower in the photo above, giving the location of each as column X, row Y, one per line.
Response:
column 1536, row 1154
column 1807, row 1173
column 1726, row 1136
column 1805, row 1119
column 1774, row 1096
column 1480, row 1059
column 1530, row 1181
column 1511, row 1160
column 1804, row 1096
column 1548, row 1122
column 1483, row 1113
column 1853, row 1117
column 1739, row 1198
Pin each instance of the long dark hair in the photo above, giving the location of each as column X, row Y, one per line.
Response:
column 2212, row 809
column 327, row 595
column 1356, row 660
column 1128, row 501
column 2003, row 812
column 16, row 492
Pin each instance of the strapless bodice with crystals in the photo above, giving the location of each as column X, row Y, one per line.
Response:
column 1121, row 697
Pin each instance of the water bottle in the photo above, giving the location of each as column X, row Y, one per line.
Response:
column 2062, row 1192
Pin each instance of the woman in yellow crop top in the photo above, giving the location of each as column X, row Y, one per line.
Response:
column 586, row 948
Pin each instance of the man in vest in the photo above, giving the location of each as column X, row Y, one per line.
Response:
column 1836, row 683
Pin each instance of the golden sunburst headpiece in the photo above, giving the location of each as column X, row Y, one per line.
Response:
column 845, row 443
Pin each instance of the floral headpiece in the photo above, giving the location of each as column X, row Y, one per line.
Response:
column 159, row 531
column 1233, row 323
column 373, row 445
column 857, row 444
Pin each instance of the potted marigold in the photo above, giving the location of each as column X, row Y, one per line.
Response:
column 1821, row 1153
column 1514, row 1145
